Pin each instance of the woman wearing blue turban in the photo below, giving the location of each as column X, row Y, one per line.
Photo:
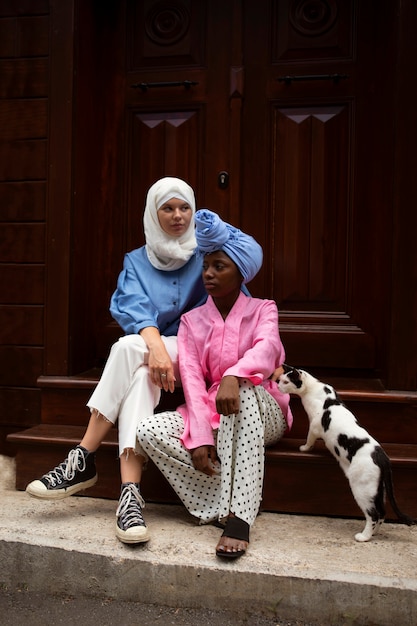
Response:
column 211, row 449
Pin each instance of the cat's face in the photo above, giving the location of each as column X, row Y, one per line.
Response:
column 291, row 381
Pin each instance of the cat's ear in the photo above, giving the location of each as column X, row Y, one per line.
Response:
column 295, row 374
column 291, row 371
column 296, row 378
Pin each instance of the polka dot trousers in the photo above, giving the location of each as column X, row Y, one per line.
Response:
column 241, row 440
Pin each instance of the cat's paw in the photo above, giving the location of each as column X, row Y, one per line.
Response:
column 362, row 537
column 305, row 448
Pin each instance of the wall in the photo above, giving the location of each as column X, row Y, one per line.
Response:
column 24, row 67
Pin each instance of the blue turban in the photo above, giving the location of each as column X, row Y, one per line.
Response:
column 213, row 234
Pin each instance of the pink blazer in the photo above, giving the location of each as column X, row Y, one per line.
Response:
column 247, row 344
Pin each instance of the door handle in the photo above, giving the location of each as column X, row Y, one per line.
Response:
column 180, row 83
column 334, row 77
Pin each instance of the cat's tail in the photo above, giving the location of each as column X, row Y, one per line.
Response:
column 382, row 460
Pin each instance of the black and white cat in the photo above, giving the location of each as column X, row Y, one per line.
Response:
column 360, row 456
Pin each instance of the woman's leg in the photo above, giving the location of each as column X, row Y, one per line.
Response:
column 127, row 357
column 140, row 396
column 241, row 449
column 159, row 436
column 139, row 400
column 97, row 429
column 240, row 446
column 78, row 472
column 130, row 524
column 237, row 488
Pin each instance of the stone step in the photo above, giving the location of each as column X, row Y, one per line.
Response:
column 302, row 569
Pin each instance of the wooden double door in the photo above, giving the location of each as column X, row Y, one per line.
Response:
column 278, row 114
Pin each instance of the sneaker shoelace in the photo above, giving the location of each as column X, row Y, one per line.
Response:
column 130, row 507
column 66, row 470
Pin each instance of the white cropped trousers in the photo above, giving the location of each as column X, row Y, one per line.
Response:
column 125, row 391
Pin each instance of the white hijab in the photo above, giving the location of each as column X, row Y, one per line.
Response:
column 164, row 251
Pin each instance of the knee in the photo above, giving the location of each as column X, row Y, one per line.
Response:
column 127, row 347
column 245, row 384
column 128, row 341
column 146, row 440
column 154, row 429
column 143, row 432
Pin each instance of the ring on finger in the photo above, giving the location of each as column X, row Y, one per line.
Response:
column 163, row 375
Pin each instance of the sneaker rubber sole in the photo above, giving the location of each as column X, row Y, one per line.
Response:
column 37, row 489
column 136, row 534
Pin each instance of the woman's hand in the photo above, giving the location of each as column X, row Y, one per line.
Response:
column 227, row 399
column 205, row 459
column 160, row 365
column 278, row 372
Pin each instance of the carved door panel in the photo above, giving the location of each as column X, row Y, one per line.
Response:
column 288, row 97
column 177, row 98
column 314, row 109
column 162, row 97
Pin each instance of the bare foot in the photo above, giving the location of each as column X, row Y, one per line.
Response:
column 230, row 545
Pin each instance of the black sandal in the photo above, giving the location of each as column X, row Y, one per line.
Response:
column 235, row 528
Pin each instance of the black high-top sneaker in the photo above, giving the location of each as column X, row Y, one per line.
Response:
column 130, row 525
column 76, row 473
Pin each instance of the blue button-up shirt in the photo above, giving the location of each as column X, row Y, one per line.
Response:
column 147, row 297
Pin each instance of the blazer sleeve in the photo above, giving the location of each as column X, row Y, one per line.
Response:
column 196, row 413
column 265, row 352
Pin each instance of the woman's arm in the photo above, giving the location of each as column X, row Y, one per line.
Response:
column 198, row 413
column 277, row 373
column 131, row 305
column 227, row 398
column 160, row 365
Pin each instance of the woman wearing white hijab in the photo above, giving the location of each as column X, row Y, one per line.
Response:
column 159, row 282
